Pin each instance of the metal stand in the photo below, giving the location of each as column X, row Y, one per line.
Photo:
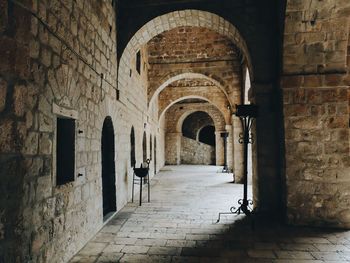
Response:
column 143, row 174
column 246, row 113
column 224, row 136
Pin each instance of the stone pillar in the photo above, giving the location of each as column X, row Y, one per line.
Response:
column 173, row 148
column 219, row 148
column 267, row 193
column 230, row 142
column 237, row 149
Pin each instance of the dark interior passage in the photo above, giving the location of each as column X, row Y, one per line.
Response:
column 194, row 122
column 108, row 168
column 207, row 135
column 144, row 147
column 132, row 147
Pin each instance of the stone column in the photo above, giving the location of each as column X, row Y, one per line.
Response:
column 265, row 149
column 237, row 149
column 230, row 142
column 173, row 148
column 219, row 148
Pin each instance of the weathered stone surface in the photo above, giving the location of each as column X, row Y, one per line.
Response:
column 194, row 152
column 184, row 54
column 3, row 92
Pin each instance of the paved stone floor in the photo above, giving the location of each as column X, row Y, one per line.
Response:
column 179, row 226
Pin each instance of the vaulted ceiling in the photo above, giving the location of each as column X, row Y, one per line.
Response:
column 259, row 22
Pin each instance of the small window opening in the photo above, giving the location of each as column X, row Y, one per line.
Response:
column 138, row 61
column 65, row 151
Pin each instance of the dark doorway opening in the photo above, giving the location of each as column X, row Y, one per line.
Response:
column 207, row 135
column 132, row 148
column 150, row 147
column 108, row 168
column 144, row 147
column 155, row 155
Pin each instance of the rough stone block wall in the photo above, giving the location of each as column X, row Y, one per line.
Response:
column 51, row 66
column 18, row 99
column 193, row 49
column 194, row 152
column 316, row 112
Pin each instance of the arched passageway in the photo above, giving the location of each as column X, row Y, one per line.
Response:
column 108, row 167
column 181, row 130
column 192, row 150
column 66, row 65
column 155, row 155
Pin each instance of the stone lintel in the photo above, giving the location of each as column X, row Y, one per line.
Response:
column 64, row 112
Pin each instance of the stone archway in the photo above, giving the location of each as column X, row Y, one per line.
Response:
column 193, row 151
column 224, row 111
column 158, row 25
column 187, row 75
column 175, row 116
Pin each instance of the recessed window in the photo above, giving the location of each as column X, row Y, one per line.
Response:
column 138, row 61
column 65, row 151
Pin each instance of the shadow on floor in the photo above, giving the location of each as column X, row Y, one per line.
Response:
column 267, row 241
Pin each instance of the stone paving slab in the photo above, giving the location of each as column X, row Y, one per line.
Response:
column 179, row 226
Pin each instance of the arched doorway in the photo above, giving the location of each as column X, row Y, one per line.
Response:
column 132, row 148
column 155, row 155
column 150, row 147
column 108, row 168
column 144, row 147
column 198, row 139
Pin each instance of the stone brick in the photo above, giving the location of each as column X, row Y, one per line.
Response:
column 312, row 81
column 31, row 143
column 45, row 146
column 333, row 80
column 7, row 136
column 297, row 110
column 19, row 99
column 34, row 49
column 3, row 93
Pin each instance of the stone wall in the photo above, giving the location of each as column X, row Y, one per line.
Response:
column 62, row 62
column 17, row 101
column 194, row 152
column 316, row 112
column 193, row 49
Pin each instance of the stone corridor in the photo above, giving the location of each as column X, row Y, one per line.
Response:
column 178, row 225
